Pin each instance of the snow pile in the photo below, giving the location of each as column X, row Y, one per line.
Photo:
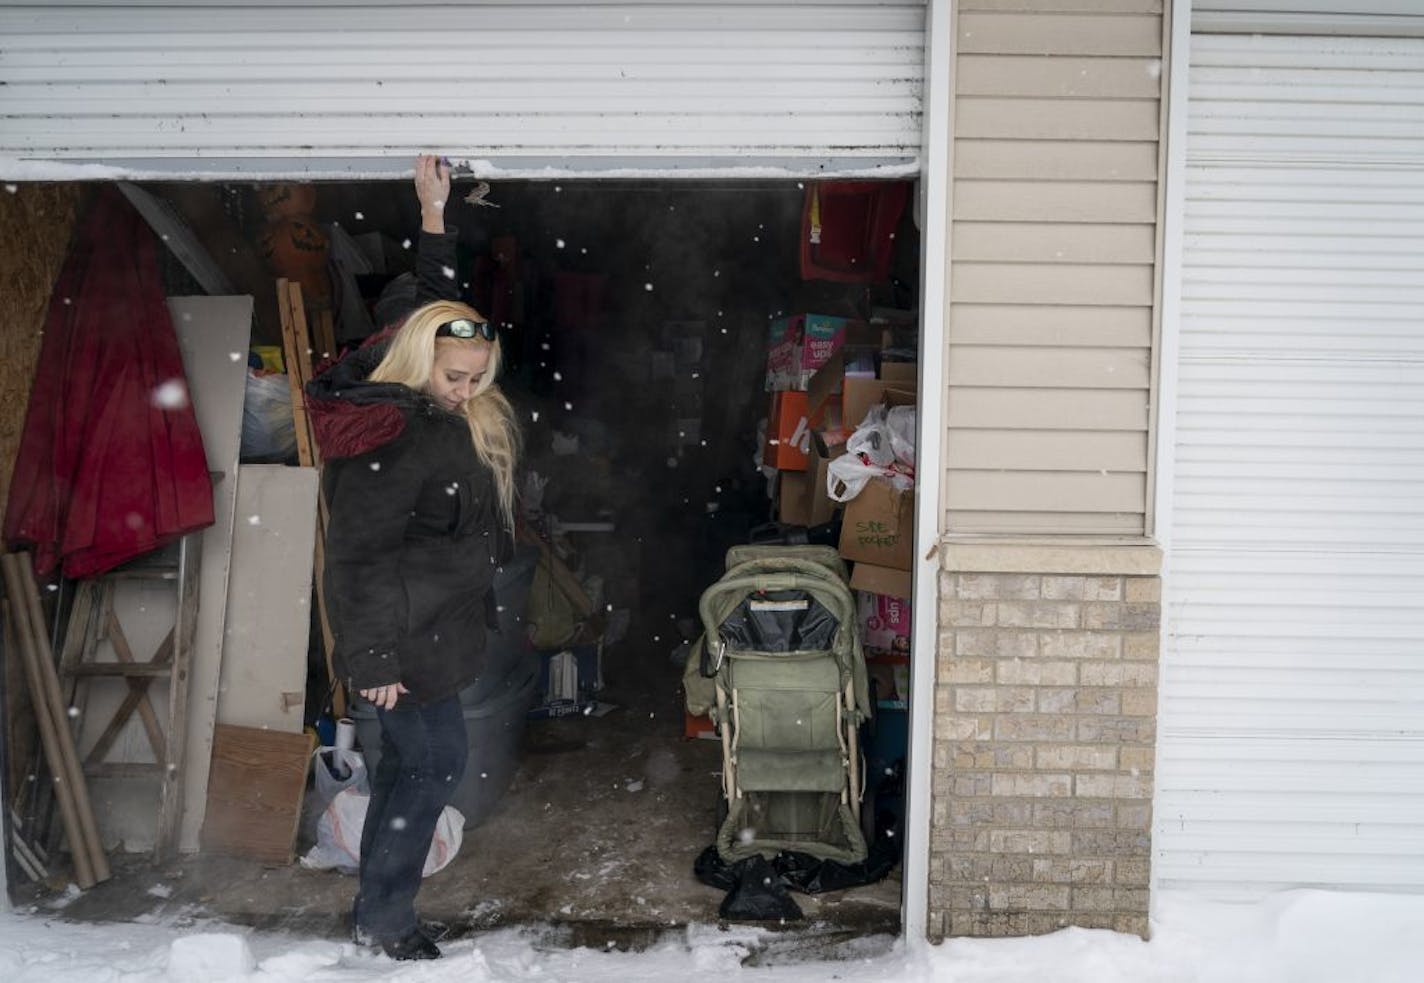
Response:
column 209, row 956
column 1295, row 937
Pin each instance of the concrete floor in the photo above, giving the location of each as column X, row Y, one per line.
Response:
column 577, row 845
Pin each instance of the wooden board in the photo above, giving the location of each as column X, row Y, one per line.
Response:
column 296, row 356
column 264, row 664
column 255, row 792
column 211, row 331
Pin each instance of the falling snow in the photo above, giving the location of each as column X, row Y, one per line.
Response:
column 171, row 395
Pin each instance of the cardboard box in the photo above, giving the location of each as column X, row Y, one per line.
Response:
column 788, row 432
column 882, row 580
column 890, row 679
column 797, row 346
column 699, row 727
column 897, row 384
column 568, row 680
column 802, row 499
column 879, row 526
column 884, row 622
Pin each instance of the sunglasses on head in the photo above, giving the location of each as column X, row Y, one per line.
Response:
column 464, row 327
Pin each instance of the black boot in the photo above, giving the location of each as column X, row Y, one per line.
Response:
column 412, row 946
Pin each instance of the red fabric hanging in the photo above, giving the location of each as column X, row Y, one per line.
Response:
column 111, row 463
column 847, row 229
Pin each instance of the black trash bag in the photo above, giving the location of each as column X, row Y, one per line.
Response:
column 712, row 870
column 756, row 886
column 811, row 875
column 759, row 895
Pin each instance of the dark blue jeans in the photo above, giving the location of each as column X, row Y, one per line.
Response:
column 423, row 752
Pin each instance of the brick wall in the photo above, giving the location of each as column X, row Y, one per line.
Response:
column 1045, row 724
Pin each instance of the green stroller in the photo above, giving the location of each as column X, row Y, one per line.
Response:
column 780, row 670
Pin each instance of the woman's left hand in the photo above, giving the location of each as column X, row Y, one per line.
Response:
column 385, row 697
column 432, row 187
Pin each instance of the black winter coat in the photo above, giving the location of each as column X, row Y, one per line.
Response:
column 414, row 535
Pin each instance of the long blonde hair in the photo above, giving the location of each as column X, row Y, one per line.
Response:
column 410, row 359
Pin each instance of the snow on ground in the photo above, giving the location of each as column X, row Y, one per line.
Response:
column 1295, row 937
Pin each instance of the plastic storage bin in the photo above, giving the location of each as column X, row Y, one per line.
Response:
column 495, row 726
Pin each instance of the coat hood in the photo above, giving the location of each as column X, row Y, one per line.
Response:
column 350, row 415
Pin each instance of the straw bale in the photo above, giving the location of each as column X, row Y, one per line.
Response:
column 36, row 221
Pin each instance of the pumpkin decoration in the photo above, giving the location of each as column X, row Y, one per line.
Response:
column 295, row 248
column 292, row 243
column 279, row 201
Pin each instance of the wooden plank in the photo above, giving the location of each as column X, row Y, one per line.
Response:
column 1053, row 242
column 1060, row 325
column 1053, row 283
column 985, row 117
column 324, row 335
column 1055, row 160
column 255, row 792
column 294, row 347
column 130, row 669
column 1062, row 76
column 328, row 637
column 137, row 691
column 1055, row 201
column 300, row 330
column 209, row 330
column 269, row 598
column 121, row 670
column 1029, row 33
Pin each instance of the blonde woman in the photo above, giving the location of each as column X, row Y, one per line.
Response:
column 419, row 447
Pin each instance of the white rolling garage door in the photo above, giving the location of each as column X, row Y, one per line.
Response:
column 1291, row 749
column 340, row 88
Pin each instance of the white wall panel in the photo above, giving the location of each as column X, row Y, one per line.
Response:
column 358, row 88
column 1292, row 724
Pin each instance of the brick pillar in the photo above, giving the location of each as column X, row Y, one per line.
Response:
column 1045, row 725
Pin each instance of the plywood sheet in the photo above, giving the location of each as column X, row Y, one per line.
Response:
column 255, row 792
column 213, row 334
column 264, row 662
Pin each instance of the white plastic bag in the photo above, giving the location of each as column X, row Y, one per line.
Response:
column 267, row 433
column 343, row 816
column 900, row 423
column 883, row 446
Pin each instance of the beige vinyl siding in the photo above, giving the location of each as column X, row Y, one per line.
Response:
column 1053, row 250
